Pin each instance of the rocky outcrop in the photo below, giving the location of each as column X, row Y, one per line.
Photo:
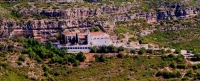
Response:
column 77, row 17
column 171, row 11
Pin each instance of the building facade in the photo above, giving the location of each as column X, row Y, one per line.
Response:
column 82, row 42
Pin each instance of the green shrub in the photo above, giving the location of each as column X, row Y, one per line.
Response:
column 46, row 73
column 76, row 63
column 80, row 56
column 102, row 58
column 168, row 75
column 197, row 66
column 142, row 51
column 22, row 58
column 181, row 66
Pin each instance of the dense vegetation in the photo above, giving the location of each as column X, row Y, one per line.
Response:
column 28, row 59
column 183, row 39
column 55, row 64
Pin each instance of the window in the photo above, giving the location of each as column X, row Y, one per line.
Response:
column 75, row 47
column 85, row 47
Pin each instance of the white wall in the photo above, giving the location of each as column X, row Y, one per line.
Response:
column 77, row 48
column 100, row 42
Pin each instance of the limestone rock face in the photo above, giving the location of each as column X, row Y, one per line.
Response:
column 172, row 11
column 85, row 16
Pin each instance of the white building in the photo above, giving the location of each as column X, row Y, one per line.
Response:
column 84, row 41
column 98, row 39
column 76, row 48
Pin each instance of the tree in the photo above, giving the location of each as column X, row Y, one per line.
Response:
column 190, row 73
column 56, row 59
column 180, row 58
column 104, row 49
column 150, row 51
column 64, row 49
column 45, row 67
column 120, row 49
column 94, row 49
column 22, row 58
column 73, row 41
column 32, row 55
column 80, row 56
column 197, row 56
column 94, row 29
column 121, row 54
column 48, row 45
column 76, row 38
column 142, row 51
column 102, row 58
column 133, row 51
column 76, row 63
column 72, row 58
column 173, row 64
column 112, row 49
column 169, row 51
column 177, row 51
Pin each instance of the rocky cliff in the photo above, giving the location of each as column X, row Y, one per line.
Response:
column 85, row 16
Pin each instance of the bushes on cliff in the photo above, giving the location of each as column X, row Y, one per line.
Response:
column 106, row 49
column 94, row 29
column 39, row 52
column 168, row 75
column 197, row 66
column 142, row 51
column 80, row 57
column 101, row 58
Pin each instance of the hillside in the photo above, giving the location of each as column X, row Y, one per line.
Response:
column 149, row 40
column 45, row 62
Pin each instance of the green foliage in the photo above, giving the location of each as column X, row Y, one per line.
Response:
column 170, row 57
column 190, row 73
column 150, row 51
column 22, row 58
column 16, row 14
column 133, row 51
column 121, row 54
column 120, row 36
column 197, row 66
column 197, row 57
column 181, row 66
column 94, row 29
column 120, row 49
column 80, row 56
column 76, row 63
column 106, row 49
column 168, row 75
column 183, row 39
column 120, row 30
column 45, row 67
column 56, row 59
column 173, row 65
column 46, row 73
column 102, row 58
column 180, row 58
column 94, row 49
column 142, row 51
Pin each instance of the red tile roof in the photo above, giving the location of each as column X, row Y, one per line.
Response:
column 96, row 33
